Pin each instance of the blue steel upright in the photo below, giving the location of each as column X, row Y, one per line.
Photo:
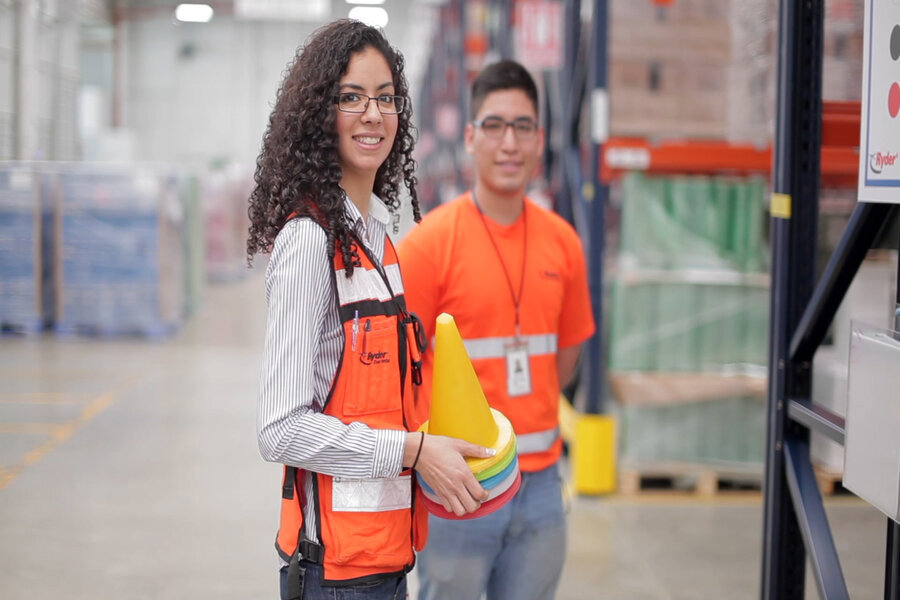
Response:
column 796, row 174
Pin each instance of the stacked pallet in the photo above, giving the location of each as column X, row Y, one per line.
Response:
column 120, row 260
column 26, row 236
column 225, row 195
column 707, row 68
column 689, row 324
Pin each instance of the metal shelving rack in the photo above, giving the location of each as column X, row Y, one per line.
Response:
column 795, row 524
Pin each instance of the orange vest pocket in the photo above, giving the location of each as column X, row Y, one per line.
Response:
column 379, row 541
column 373, row 382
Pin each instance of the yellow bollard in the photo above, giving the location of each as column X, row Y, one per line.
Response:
column 594, row 454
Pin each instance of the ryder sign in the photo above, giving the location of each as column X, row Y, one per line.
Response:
column 879, row 140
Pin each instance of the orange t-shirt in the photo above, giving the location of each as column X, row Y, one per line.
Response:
column 450, row 264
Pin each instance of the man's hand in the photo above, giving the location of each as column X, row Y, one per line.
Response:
column 443, row 466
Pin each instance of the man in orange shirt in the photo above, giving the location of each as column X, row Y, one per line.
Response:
column 513, row 276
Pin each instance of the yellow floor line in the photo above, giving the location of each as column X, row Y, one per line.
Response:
column 30, row 428
column 59, row 434
column 40, row 397
column 6, row 475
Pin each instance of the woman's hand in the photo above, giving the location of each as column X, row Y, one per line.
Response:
column 443, row 466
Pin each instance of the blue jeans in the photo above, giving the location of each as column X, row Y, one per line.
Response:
column 392, row 588
column 515, row 553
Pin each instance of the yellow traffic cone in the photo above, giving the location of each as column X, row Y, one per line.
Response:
column 458, row 406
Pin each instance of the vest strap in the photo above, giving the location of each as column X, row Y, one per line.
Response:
column 290, row 477
column 311, row 551
column 295, row 576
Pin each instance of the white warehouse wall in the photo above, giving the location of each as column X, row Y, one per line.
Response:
column 201, row 93
column 39, row 75
column 198, row 94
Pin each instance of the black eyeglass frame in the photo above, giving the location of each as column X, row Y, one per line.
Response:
column 399, row 102
column 527, row 135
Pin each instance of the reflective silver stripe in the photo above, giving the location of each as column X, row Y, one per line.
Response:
column 394, row 277
column 495, row 347
column 537, row 441
column 370, row 495
column 367, row 284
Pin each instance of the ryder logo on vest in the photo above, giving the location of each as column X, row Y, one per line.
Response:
column 374, row 358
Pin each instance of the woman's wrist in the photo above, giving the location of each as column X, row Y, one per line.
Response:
column 412, row 448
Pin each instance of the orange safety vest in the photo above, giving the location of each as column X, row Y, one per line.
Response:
column 367, row 528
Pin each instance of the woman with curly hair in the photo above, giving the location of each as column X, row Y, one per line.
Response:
column 336, row 404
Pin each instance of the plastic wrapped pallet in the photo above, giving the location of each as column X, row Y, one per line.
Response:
column 120, row 265
column 685, row 322
column 723, row 430
column 26, row 290
column 225, row 195
column 677, row 223
column 688, row 322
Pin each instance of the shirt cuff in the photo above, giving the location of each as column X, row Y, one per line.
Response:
column 389, row 446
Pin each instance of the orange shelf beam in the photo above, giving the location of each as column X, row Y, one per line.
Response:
column 839, row 158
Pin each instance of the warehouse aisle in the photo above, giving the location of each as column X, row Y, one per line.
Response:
column 129, row 469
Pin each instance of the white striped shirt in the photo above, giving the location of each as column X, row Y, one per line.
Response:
column 304, row 337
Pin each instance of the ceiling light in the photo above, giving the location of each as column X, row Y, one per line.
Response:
column 370, row 15
column 194, row 13
column 365, row 1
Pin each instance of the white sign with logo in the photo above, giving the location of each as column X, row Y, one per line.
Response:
column 879, row 139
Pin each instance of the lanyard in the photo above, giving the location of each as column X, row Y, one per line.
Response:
column 516, row 298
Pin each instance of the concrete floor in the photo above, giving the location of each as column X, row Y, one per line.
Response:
column 129, row 469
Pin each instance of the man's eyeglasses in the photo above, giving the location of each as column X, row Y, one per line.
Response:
column 495, row 127
column 353, row 102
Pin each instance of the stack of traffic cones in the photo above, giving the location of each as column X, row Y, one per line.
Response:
column 459, row 409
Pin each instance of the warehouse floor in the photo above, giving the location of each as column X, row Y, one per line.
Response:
column 129, row 469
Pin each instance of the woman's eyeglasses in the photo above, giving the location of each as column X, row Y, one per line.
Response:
column 353, row 102
column 495, row 127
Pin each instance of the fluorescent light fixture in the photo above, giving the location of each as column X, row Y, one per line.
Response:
column 370, row 15
column 194, row 13
column 370, row 2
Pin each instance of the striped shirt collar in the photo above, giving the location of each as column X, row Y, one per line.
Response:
column 377, row 210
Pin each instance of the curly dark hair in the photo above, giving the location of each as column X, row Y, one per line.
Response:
column 298, row 169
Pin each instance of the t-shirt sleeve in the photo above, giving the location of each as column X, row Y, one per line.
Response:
column 576, row 320
column 419, row 266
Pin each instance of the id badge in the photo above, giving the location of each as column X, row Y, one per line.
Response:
column 518, row 370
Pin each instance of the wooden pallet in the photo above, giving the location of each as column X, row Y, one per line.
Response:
column 829, row 480
column 690, row 478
